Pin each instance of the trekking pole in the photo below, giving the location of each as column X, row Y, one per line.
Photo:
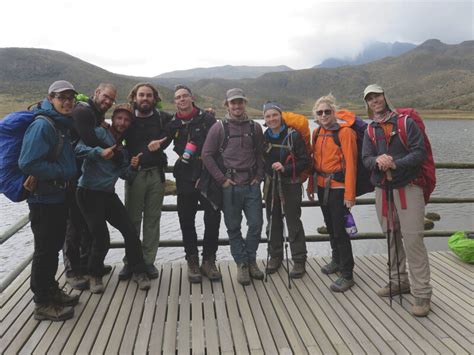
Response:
column 388, row 186
column 390, row 202
column 283, row 220
column 270, row 223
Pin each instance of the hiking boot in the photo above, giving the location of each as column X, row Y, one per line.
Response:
column 194, row 273
column 95, row 284
column 255, row 272
column 273, row 265
column 421, row 307
column 60, row 298
column 52, row 312
column 77, row 282
column 330, row 268
column 385, row 291
column 342, row 284
column 298, row 270
column 125, row 273
column 209, row 269
column 151, row 271
column 142, row 281
column 243, row 276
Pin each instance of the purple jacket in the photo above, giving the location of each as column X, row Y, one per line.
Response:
column 243, row 161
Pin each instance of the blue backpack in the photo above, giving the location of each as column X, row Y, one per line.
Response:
column 12, row 130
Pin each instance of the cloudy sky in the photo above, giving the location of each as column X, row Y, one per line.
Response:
column 149, row 37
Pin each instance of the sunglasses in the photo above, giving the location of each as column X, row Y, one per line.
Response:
column 325, row 112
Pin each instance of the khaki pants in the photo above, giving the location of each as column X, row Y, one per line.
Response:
column 408, row 234
column 144, row 198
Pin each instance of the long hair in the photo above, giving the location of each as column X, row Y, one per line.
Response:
column 133, row 93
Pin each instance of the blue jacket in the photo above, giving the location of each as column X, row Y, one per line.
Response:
column 97, row 173
column 39, row 140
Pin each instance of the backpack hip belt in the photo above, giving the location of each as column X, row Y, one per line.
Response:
column 337, row 176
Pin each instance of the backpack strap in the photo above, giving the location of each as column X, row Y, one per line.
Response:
column 402, row 130
column 59, row 147
column 371, row 133
column 227, row 135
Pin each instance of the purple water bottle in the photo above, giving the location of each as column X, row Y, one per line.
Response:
column 350, row 225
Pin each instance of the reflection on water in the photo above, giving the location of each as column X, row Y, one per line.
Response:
column 452, row 141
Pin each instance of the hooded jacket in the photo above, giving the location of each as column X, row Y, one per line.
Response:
column 39, row 140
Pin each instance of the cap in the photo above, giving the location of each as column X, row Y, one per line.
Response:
column 271, row 105
column 123, row 107
column 60, row 86
column 235, row 93
column 373, row 88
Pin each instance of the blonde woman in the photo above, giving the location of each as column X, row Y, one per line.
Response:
column 335, row 165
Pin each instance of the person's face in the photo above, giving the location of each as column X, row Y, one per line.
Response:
column 121, row 121
column 325, row 115
column 272, row 119
column 236, row 107
column 144, row 101
column 104, row 98
column 376, row 102
column 183, row 100
column 63, row 102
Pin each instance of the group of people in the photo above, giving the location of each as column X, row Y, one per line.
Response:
column 220, row 167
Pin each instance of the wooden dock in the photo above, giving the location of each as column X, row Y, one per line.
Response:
column 175, row 316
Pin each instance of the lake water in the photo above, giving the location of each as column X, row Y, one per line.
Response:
column 452, row 141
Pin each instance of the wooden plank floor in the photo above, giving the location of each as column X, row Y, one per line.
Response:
column 263, row 318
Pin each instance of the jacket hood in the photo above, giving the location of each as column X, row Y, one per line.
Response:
column 345, row 118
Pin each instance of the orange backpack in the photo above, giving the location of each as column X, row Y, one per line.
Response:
column 301, row 124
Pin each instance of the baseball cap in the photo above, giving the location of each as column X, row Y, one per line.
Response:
column 235, row 93
column 123, row 107
column 60, row 86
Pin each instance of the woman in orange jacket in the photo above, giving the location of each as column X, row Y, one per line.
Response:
column 335, row 167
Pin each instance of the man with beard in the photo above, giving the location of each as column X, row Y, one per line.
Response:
column 144, row 196
column 239, row 142
column 87, row 116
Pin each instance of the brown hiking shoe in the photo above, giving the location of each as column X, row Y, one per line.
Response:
column 142, row 281
column 421, row 307
column 330, row 268
column 194, row 273
column 95, row 284
column 52, row 312
column 243, row 276
column 209, row 269
column 298, row 270
column 77, row 282
column 60, row 298
column 385, row 291
column 255, row 272
column 273, row 265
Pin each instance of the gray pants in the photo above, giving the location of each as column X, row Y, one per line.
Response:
column 408, row 234
column 144, row 198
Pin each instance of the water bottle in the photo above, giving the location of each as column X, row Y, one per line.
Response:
column 350, row 225
column 189, row 151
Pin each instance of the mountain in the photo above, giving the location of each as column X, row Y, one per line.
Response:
column 374, row 51
column 28, row 72
column 222, row 72
column 434, row 75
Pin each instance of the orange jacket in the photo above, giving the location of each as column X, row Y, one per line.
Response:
column 329, row 158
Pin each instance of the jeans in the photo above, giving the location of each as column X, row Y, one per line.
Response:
column 48, row 223
column 246, row 198
column 98, row 208
column 187, row 208
column 340, row 241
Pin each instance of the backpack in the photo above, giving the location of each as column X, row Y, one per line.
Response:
column 228, row 136
column 12, row 130
column 426, row 179
column 363, row 184
column 300, row 123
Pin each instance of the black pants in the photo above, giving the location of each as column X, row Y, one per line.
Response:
column 187, row 208
column 48, row 223
column 334, row 213
column 292, row 194
column 78, row 241
column 99, row 207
